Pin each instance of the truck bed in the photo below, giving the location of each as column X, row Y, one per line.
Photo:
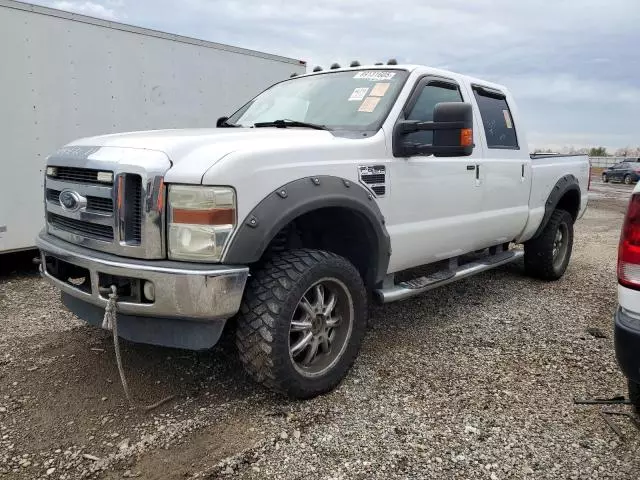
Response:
column 546, row 171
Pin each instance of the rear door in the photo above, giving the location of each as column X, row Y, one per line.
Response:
column 506, row 169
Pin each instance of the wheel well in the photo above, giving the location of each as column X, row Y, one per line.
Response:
column 570, row 202
column 340, row 230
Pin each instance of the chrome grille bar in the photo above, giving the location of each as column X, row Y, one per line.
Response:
column 81, row 227
column 97, row 204
column 79, row 175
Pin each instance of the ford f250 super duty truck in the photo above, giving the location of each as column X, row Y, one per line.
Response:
column 322, row 193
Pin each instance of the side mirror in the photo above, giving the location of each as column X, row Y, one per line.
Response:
column 220, row 121
column 452, row 128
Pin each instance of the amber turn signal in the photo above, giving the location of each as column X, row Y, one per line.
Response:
column 466, row 137
column 214, row 216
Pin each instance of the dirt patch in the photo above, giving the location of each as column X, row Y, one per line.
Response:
column 199, row 452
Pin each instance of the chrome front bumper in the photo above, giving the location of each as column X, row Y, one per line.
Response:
column 182, row 290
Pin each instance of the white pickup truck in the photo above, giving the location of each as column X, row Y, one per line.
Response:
column 324, row 192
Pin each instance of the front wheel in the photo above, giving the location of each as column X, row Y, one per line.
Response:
column 627, row 179
column 302, row 322
column 605, row 179
column 547, row 256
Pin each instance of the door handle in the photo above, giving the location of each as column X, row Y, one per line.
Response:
column 471, row 167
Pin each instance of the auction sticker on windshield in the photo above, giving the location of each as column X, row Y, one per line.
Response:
column 358, row 94
column 369, row 104
column 375, row 76
column 379, row 89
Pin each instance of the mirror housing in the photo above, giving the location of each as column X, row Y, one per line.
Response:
column 220, row 121
column 452, row 128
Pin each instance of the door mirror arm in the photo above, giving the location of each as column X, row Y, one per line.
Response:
column 410, row 126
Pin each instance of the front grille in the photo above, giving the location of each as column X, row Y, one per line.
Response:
column 133, row 209
column 379, row 190
column 99, row 204
column 53, row 196
column 124, row 216
column 136, row 206
column 78, row 175
column 95, row 204
column 80, row 227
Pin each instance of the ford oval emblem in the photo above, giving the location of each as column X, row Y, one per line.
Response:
column 71, row 201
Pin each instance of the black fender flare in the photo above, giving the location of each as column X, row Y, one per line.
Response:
column 301, row 196
column 565, row 184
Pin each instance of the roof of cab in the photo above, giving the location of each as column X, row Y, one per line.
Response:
column 411, row 68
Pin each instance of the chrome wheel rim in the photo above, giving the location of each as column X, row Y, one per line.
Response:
column 560, row 244
column 321, row 327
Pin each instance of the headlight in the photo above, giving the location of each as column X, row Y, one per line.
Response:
column 201, row 221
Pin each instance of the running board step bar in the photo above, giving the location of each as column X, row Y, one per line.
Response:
column 416, row 286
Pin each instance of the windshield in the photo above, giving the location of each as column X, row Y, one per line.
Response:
column 353, row 100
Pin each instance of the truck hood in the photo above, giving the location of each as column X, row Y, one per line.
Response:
column 193, row 151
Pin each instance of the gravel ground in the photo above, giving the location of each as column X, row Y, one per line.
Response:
column 475, row 380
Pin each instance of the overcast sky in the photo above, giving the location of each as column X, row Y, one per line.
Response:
column 573, row 65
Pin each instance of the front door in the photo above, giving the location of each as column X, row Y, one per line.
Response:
column 433, row 201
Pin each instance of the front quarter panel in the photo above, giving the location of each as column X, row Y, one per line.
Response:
column 301, row 196
column 258, row 170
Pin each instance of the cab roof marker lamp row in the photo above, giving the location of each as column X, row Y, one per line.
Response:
column 353, row 64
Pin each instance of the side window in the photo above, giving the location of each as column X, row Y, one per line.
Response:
column 423, row 108
column 496, row 117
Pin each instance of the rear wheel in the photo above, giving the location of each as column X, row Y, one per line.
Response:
column 547, row 256
column 605, row 179
column 302, row 321
column 634, row 395
column 627, row 179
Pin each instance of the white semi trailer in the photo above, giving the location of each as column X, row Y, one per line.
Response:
column 65, row 76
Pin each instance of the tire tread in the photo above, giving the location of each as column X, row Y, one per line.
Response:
column 265, row 296
column 538, row 252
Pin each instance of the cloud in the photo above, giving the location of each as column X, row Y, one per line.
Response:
column 569, row 63
column 91, row 8
column 567, row 88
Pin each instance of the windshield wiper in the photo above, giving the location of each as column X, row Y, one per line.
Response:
column 284, row 123
column 224, row 123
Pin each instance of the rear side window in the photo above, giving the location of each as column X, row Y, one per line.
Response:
column 496, row 118
column 422, row 110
